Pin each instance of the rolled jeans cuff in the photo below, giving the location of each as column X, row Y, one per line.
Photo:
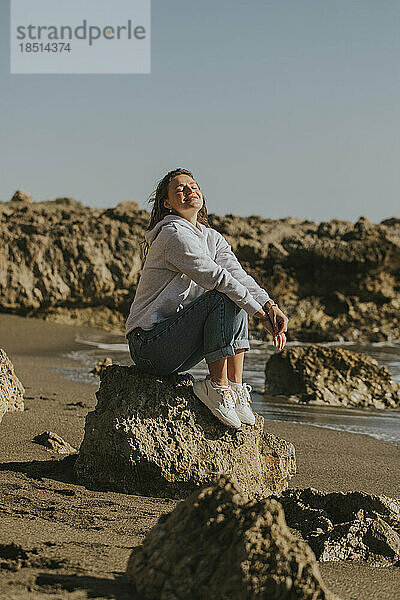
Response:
column 226, row 351
column 241, row 344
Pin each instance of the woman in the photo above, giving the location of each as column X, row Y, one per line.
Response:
column 193, row 300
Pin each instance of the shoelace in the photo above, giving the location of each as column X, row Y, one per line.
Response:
column 227, row 399
column 244, row 394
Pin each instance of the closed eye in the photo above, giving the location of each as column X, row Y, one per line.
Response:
column 180, row 189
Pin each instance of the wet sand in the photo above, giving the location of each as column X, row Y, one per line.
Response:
column 76, row 542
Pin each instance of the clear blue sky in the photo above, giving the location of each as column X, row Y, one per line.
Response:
column 280, row 108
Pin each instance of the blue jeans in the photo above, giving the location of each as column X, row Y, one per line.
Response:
column 212, row 327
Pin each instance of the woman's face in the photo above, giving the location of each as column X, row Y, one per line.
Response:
column 184, row 196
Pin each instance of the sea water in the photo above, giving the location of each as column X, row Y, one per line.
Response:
column 381, row 424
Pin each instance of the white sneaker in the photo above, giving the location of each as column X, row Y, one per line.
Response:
column 219, row 400
column 242, row 396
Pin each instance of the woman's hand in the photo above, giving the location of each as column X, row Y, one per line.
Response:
column 279, row 341
column 275, row 322
column 278, row 319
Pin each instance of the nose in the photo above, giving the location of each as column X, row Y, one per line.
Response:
column 189, row 191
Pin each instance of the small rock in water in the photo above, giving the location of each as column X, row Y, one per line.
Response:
column 54, row 443
column 101, row 365
column 217, row 545
column 323, row 375
column 11, row 389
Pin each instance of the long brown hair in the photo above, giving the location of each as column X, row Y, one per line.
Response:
column 159, row 211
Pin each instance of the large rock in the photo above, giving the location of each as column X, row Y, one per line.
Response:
column 217, row 545
column 353, row 526
column 153, row 436
column 336, row 280
column 326, row 375
column 11, row 389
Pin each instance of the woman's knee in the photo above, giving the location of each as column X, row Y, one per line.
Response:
column 233, row 312
column 236, row 320
column 241, row 321
column 224, row 299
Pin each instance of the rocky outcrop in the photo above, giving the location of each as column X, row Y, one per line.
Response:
column 217, row 545
column 71, row 264
column 325, row 375
column 11, row 389
column 336, row 280
column 346, row 526
column 153, row 436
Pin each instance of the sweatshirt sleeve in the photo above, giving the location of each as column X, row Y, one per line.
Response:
column 227, row 259
column 185, row 255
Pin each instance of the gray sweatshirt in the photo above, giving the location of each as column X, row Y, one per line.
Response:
column 182, row 263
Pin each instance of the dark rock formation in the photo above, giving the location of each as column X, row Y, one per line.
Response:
column 153, row 436
column 11, row 389
column 217, row 545
column 54, row 443
column 326, row 375
column 336, row 280
column 346, row 526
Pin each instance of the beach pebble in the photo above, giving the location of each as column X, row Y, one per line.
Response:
column 54, row 443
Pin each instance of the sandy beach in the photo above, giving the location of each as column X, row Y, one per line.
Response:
column 76, row 542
